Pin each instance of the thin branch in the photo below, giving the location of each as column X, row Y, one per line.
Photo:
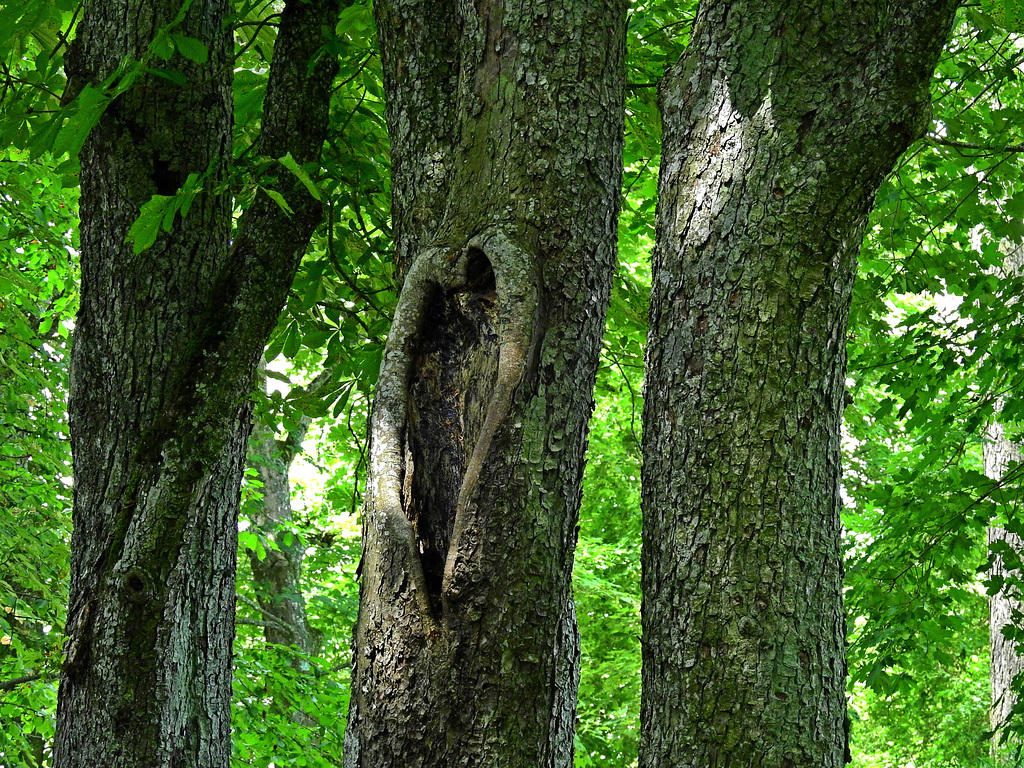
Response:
column 267, row 22
column 968, row 145
column 275, row 620
column 62, row 37
column 10, row 685
column 257, row 623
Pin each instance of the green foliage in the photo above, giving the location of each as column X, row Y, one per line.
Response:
column 937, row 724
column 286, row 709
column 1005, row 14
column 607, row 574
column 38, row 295
column 936, row 344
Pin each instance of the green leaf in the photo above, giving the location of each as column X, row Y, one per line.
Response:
column 173, row 76
column 144, row 231
column 82, row 115
column 162, row 47
column 190, row 48
column 289, row 162
column 278, row 198
column 292, row 341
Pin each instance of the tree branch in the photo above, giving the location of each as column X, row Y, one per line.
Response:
column 944, row 142
column 10, row 685
column 275, row 620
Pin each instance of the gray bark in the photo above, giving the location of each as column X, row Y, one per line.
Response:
column 506, row 124
column 1005, row 661
column 164, row 355
column 779, row 122
column 998, row 453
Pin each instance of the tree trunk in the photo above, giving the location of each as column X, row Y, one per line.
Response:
column 1005, row 661
column 278, row 576
column 506, row 127
column 779, row 123
column 998, row 454
column 164, row 355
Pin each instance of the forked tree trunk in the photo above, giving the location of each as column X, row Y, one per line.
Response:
column 506, row 122
column 165, row 350
column 780, row 122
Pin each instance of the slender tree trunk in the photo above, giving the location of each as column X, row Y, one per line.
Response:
column 505, row 123
column 780, row 122
column 278, row 576
column 165, row 350
column 1005, row 662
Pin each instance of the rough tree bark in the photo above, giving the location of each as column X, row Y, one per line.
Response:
column 164, row 356
column 506, row 122
column 780, row 122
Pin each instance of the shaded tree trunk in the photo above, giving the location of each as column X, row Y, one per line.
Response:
column 506, row 124
column 164, row 355
column 278, row 575
column 779, row 124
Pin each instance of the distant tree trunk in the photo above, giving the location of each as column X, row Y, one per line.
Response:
column 505, row 122
column 1005, row 662
column 278, row 576
column 164, row 355
column 780, row 122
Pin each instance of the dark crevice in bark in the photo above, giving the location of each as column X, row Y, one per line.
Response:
column 455, row 366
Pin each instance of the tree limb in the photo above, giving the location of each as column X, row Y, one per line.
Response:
column 274, row 618
column 10, row 685
column 944, row 142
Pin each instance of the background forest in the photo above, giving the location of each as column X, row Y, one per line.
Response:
column 935, row 348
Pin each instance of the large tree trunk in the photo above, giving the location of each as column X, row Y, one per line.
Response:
column 779, row 124
column 506, row 133
column 165, row 350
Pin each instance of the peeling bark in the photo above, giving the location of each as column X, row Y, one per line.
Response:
column 506, row 126
column 164, row 356
column 780, row 122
